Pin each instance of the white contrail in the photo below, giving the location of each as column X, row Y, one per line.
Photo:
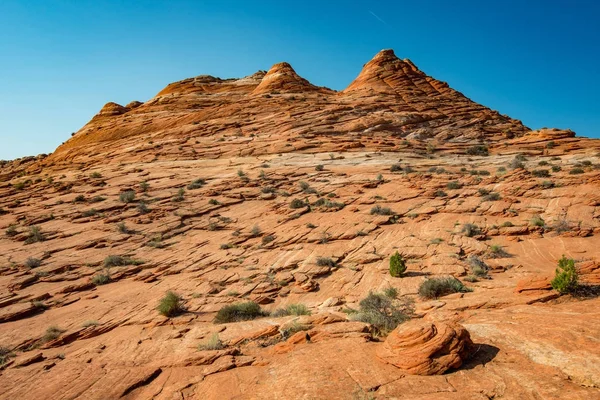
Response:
column 376, row 16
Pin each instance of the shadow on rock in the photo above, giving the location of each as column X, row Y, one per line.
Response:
column 482, row 354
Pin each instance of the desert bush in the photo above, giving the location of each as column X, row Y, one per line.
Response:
column 144, row 186
column 382, row 312
column 326, row 262
column 319, row 167
column 566, row 276
column 453, row 185
column 543, row 163
column 306, row 187
column 550, row 144
column 89, row 213
column 470, row 230
column 391, row 292
column 397, row 265
column 90, row 323
column 11, row 230
column 268, row 239
column 438, row 287
column 516, row 164
column 496, row 251
column 179, row 196
column 239, row 312
column 478, row 150
column 291, row 309
column 213, row 202
column 541, row 173
column 127, row 196
column 576, row 171
column 32, row 262
column 121, row 227
column 255, row 232
column 547, row 184
column 507, row 224
column 79, row 199
column 96, row 175
column 297, row 203
column 196, row 184
column 5, row 355
column 494, row 196
column 53, row 332
column 561, row 225
column 97, row 199
column 35, row 235
column 170, row 305
column 378, row 210
column 213, row 343
column 478, row 267
column 537, row 221
column 101, row 278
column 483, row 191
column 439, row 193
column 119, row 261
column 556, row 168
column 396, row 168
column 142, row 208
column 294, row 327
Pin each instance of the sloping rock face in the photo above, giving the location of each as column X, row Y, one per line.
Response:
column 391, row 101
column 426, row 348
column 300, row 195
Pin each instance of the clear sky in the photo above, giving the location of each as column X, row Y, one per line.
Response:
column 61, row 60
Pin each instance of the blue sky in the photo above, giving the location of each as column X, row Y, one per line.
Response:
column 538, row 61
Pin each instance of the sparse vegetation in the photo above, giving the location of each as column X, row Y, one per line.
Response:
column 561, row 225
column 319, row 167
column 326, row 262
column 396, row 168
column 53, row 332
column 453, row 185
column 32, row 262
column 79, row 199
column 556, row 168
column 213, row 343
column 291, row 309
column 142, row 208
column 538, row 221
column 566, row 277
column 397, row 265
column 144, row 186
column 305, row 187
column 470, row 230
column 239, row 312
column 383, row 312
column 437, row 287
column 478, row 150
column 101, row 278
column 97, row 199
column 170, row 305
column 119, row 261
column 196, row 184
column 576, row 171
column 378, row 210
column 255, row 232
column 127, row 196
column 179, row 196
column 267, row 239
column 478, row 267
column 122, row 227
column 541, row 173
column 35, row 235
column 96, row 175
column 297, row 203
column 516, row 163
column 11, row 230
column 494, row 196
column 213, row 202
column 5, row 355
column 440, row 193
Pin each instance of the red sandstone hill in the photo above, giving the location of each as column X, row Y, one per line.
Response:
column 270, row 190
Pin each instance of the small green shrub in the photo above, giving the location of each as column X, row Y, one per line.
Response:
column 397, row 265
column 538, row 221
column 453, row 185
column 5, row 355
column 438, row 287
column 440, row 193
column 382, row 312
column 239, row 312
column 478, row 267
column 541, row 173
column 566, row 277
column 119, row 261
column 326, row 262
column 396, row 168
column 142, row 208
column 32, row 262
column 11, row 230
column 35, row 235
column 97, row 199
column 306, row 187
column 255, row 232
column 179, row 196
column 89, row 213
column 53, row 332
column 101, row 278
column 121, row 227
column 90, row 323
column 470, row 230
column 478, row 150
column 378, row 210
column 297, row 203
column 127, row 196
column 319, row 167
column 144, row 186
column 196, row 184
column 213, row 343
column 507, row 224
column 550, row 145
column 516, row 164
column 267, row 239
column 96, row 175
column 494, row 196
column 213, row 202
column 576, row 171
column 556, row 168
column 291, row 309
column 170, row 305
column 79, row 199
column 391, row 292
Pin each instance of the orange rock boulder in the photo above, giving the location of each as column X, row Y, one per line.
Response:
column 426, row 348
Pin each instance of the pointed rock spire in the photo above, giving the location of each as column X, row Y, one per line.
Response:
column 282, row 78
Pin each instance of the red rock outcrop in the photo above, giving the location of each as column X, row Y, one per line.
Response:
column 426, row 348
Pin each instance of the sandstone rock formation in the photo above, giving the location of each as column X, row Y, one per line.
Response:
column 426, row 348
column 269, row 189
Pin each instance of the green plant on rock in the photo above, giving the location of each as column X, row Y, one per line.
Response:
column 170, row 305
column 438, row 287
column 566, row 277
column 239, row 312
column 397, row 265
column 383, row 312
